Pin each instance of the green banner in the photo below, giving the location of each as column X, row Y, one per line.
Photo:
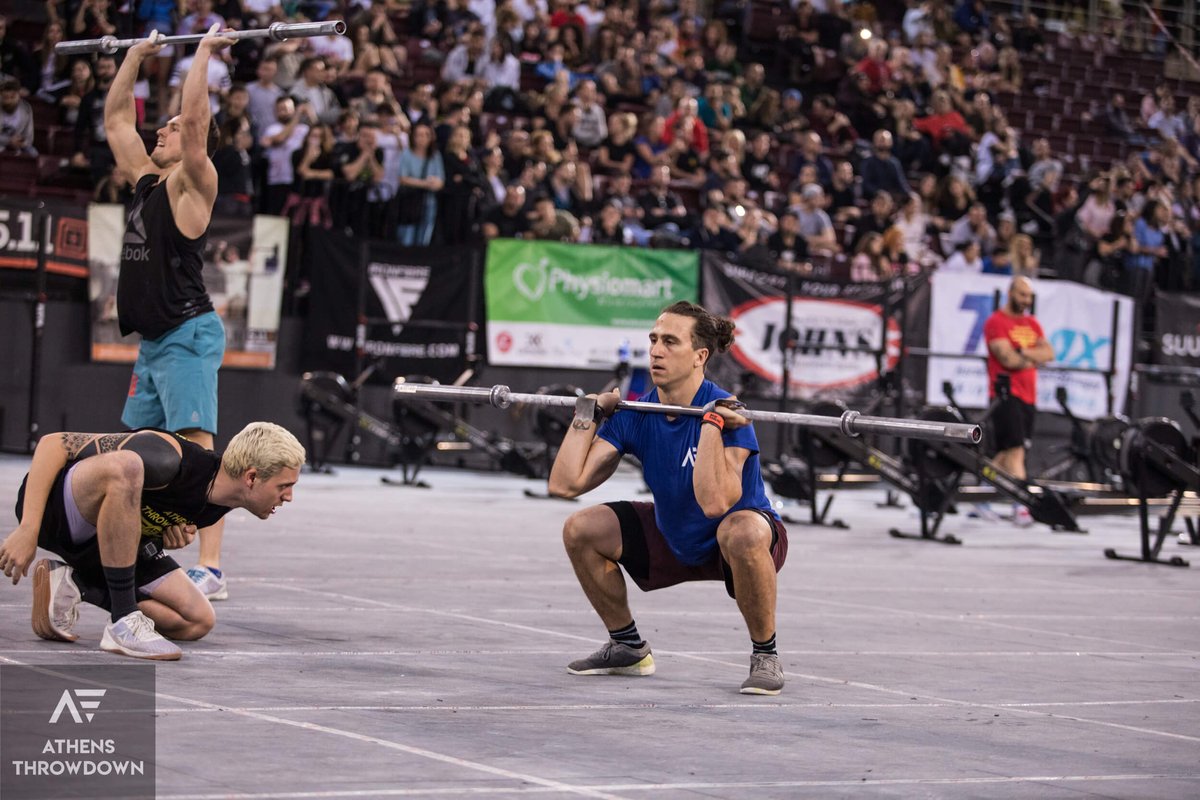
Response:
column 566, row 305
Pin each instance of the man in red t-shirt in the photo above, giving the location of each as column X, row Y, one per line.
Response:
column 1016, row 348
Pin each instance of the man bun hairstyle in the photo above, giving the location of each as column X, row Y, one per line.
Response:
column 709, row 331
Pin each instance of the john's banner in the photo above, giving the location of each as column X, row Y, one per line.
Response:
column 418, row 307
column 243, row 270
column 66, row 246
column 1090, row 330
column 1177, row 329
column 840, row 334
column 564, row 305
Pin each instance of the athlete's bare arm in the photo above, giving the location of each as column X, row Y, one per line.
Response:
column 160, row 453
column 120, row 117
column 193, row 187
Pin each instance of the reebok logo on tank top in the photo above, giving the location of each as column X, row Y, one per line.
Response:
column 134, row 248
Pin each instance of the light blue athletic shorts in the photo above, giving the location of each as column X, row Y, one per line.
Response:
column 174, row 385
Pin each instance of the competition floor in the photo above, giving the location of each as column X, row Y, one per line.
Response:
column 394, row 642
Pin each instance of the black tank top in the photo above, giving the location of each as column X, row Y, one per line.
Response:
column 160, row 284
column 183, row 501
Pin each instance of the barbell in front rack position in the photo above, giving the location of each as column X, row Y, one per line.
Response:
column 850, row 423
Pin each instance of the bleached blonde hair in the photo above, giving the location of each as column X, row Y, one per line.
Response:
column 264, row 446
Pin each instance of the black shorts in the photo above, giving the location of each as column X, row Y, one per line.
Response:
column 1012, row 424
column 649, row 561
column 84, row 558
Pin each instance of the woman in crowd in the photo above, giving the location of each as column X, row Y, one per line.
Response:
column 616, row 154
column 650, row 149
column 869, row 262
column 312, row 165
column 463, row 189
column 421, row 177
column 235, row 170
column 54, row 70
column 71, row 95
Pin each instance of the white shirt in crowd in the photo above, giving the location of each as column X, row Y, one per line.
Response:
column 507, row 73
column 279, row 157
column 218, row 77
column 957, row 262
column 591, row 129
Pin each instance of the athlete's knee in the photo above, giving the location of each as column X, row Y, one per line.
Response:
column 120, row 473
column 585, row 530
column 195, row 623
column 740, row 535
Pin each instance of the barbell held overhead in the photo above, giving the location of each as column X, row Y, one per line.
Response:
column 850, row 423
column 277, row 31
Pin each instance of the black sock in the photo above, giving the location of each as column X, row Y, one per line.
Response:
column 627, row 635
column 767, row 647
column 121, row 590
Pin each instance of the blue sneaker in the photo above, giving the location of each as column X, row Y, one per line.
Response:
column 211, row 585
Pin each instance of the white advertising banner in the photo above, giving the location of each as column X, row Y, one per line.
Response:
column 1079, row 324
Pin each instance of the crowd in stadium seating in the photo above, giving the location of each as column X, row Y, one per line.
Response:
column 861, row 134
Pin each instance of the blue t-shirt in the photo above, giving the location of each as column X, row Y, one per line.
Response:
column 1147, row 238
column 667, row 450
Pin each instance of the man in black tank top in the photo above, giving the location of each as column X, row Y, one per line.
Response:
column 110, row 504
column 160, row 288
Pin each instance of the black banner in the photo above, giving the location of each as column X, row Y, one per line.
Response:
column 419, row 307
column 66, row 253
column 1177, row 329
column 841, row 335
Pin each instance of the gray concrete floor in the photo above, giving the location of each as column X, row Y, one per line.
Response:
column 398, row 642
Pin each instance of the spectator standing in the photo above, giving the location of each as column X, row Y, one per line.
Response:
column 282, row 138
column 422, row 176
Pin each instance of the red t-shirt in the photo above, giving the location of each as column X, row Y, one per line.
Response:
column 939, row 126
column 1023, row 332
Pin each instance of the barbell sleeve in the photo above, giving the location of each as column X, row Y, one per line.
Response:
column 277, row 31
column 851, row 423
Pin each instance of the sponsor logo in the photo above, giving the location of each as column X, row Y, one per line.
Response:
column 832, row 342
column 398, row 288
column 504, row 341
column 1180, row 345
column 534, row 281
column 72, row 706
column 689, row 458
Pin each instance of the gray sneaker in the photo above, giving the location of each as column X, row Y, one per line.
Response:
column 55, row 601
column 615, row 658
column 766, row 675
column 134, row 635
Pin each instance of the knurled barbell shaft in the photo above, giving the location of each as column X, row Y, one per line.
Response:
column 277, row 31
column 851, row 423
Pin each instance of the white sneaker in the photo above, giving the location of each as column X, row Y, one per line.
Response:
column 55, row 601
column 212, row 587
column 134, row 635
column 1021, row 517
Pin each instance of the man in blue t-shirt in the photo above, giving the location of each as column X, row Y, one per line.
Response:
column 710, row 519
